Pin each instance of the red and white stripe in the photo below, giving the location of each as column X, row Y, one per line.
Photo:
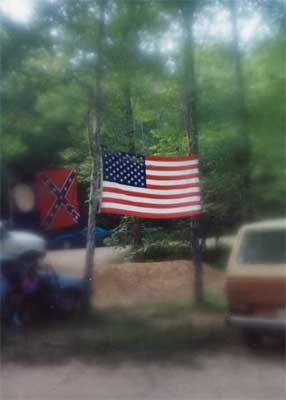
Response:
column 172, row 190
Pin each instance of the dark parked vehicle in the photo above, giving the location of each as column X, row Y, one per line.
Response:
column 78, row 239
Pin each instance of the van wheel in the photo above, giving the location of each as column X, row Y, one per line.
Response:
column 252, row 339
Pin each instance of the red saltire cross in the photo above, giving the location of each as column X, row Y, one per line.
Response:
column 60, row 201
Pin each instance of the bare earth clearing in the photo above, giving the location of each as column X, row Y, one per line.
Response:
column 135, row 283
column 227, row 372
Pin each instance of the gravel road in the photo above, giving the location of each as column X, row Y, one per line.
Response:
column 235, row 374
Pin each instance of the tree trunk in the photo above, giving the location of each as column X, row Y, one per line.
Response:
column 129, row 119
column 135, row 223
column 242, row 114
column 95, row 151
column 193, row 133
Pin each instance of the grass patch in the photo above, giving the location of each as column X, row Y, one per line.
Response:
column 161, row 250
column 168, row 309
column 168, row 250
column 117, row 334
column 214, row 302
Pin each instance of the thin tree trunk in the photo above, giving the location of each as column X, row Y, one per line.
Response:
column 130, row 126
column 95, row 151
column 129, row 119
column 193, row 133
column 242, row 114
column 240, row 84
column 191, row 84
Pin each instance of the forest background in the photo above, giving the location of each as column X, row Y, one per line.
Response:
column 48, row 67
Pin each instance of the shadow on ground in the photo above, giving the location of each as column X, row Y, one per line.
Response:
column 116, row 335
column 113, row 334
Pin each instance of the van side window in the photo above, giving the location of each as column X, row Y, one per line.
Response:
column 264, row 247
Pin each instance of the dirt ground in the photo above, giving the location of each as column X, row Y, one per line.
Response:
column 141, row 283
column 124, row 284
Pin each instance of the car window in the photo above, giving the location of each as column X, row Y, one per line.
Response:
column 264, row 247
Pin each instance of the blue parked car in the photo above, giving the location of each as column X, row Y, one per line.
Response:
column 59, row 295
column 78, row 239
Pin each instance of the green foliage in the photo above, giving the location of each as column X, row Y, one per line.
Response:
column 162, row 250
column 170, row 242
column 217, row 256
column 166, row 241
column 47, row 95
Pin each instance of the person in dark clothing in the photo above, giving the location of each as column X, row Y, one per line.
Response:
column 11, row 270
column 31, row 289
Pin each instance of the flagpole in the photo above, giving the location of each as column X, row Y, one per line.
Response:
column 90, row 248
column 94, row 136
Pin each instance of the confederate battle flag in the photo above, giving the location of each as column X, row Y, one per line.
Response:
column 56, row 194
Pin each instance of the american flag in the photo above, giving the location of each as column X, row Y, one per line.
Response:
column 150, row 186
